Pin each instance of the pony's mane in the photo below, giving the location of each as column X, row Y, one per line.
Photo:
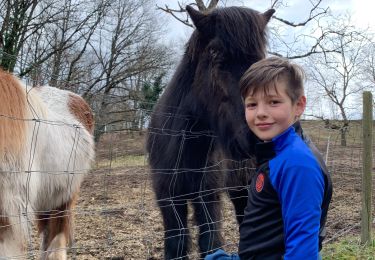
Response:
column 17, row 106
column 13, row 110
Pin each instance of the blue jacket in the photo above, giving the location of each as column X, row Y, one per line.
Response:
column 288, row 200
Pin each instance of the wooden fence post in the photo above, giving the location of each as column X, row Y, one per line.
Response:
column 367, row 126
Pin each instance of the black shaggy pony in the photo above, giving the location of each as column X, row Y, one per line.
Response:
column 199, row 120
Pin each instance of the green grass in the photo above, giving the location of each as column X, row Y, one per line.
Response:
column 349, row 249
column 122, row 161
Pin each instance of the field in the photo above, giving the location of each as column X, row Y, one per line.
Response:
column 117, row 217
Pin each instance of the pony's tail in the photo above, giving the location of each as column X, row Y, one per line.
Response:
column 13, row 112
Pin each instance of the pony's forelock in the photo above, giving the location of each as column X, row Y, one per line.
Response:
column 242, row 31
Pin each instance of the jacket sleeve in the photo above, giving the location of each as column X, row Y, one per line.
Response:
column 300, row 189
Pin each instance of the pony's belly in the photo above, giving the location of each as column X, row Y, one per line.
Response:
column 66, row 160
column 55, row 189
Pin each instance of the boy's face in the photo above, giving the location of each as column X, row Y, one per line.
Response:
column 268, row 115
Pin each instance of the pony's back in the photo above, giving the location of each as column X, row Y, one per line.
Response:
column 66, row 106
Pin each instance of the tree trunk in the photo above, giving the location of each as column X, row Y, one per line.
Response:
column 98, row 132
column 343, row 136
column 344, row 130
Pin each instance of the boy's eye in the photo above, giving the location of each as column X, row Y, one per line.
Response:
column 274, row 102
column 251, row 105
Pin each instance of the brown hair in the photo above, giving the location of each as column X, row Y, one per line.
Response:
column 267, row 72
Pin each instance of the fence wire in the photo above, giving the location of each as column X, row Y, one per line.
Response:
column 117, row 217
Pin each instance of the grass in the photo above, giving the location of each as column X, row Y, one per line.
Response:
column 317, row 132
column 121, row 161
column 349, row 248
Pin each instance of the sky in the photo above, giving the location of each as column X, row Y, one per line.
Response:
column 362, row 12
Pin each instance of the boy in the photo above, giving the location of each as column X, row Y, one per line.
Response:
column 290, row 193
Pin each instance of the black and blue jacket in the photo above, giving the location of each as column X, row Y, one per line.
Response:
column 288, row 200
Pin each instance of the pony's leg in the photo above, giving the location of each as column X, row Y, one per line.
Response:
column 239, row 200
column 176, row 233
column 55, row 228
column 236, row 183
column 10, row 243
column 13, row 221
column 207, row 211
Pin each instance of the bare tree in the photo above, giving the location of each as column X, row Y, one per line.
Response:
column 337, row 76
column 37, row 35
column 71, row 38
column 51, row 53
column 126, row 47
column 17, row 20
column 181, row 15
column 368, row 66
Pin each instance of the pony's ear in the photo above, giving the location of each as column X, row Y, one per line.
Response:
column 201, row 21
column 268, row 14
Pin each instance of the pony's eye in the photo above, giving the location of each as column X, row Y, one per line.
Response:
column 214, row 52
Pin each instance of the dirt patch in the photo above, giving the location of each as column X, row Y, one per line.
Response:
column 118, row 217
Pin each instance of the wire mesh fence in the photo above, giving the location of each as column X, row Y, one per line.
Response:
column 345, row 165
column 131, row 225
column 117, row 217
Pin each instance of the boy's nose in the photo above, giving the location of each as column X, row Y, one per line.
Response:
column 261, row 111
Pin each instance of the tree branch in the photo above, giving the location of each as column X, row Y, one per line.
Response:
column 173, row 11
column 311, row 17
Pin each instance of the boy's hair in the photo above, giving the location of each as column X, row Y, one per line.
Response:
column 267, row 72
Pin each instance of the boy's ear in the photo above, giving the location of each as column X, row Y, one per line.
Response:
column 300, row 106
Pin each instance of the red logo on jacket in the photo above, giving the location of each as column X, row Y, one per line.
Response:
column 260, row 182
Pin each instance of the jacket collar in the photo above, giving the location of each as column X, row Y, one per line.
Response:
column 265, row 151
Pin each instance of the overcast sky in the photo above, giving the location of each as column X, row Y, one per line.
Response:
column 362, row 12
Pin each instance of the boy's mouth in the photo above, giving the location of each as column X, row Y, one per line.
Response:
column 264, row 126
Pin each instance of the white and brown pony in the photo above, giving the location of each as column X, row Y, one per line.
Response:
column 46, row 148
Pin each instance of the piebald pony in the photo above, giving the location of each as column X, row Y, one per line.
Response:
column 46, row 147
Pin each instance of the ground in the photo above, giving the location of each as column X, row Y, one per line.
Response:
column 117, row 217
